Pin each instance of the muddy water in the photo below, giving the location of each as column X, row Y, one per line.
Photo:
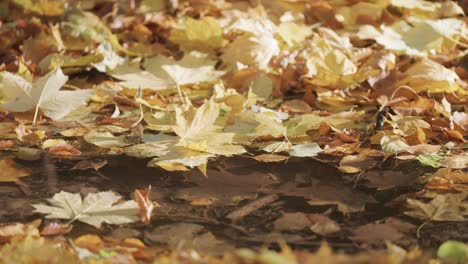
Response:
column 241, row 203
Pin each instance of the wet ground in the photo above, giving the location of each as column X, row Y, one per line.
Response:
column 243, row 202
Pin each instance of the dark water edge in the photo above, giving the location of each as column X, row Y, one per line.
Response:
column 231, row 184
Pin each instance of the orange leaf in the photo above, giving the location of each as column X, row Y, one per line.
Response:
column 141, row 196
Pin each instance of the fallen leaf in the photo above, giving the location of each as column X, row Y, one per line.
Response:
column 106, row 139
column 292, row 222
column 164, row 73
column 19, row 231
column 94, row 209
column 44, row 94
column 11, row 171
column 376, row 233
column 91, row 242
column 270, row 158
column 204, row 34
column 448, row 207
column 26, row 251
column 141, row 196
column 322, row 225
column 53, row 229
column 305, row 150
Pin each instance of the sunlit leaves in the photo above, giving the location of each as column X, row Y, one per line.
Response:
column 250, row 51
column 44, row 94
column 197, row 130
column 204, row 34
column 432, row 77
column 163, row 73
column 44, row 8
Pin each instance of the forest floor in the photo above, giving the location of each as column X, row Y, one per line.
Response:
column 215, row 131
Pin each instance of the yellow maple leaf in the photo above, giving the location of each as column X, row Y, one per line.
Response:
column 428, row 75
column 203, row 34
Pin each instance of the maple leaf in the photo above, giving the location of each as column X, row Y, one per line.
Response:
column 44, row 94
column 204, row 34
column 430, row 76
column 94, row 209
column 417, row 39
column 164, row 73
column 179, row 158
column 293, row 34
column 444, row 9
column 448, row 207
column 253, row 51
column 329, row 66
column 197, row 130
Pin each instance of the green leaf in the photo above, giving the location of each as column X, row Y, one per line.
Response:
column 432, row 159
column 453, row 251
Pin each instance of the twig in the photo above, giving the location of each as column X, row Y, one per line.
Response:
column 251, row 207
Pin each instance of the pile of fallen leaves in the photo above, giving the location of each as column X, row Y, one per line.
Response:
column 354, row 84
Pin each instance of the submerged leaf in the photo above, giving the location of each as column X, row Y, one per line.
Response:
column 448, row 207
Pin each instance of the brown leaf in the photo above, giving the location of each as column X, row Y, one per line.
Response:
column 91, row 242
column 6, row 144
column 292, row 222
column 89, row 164
column 64, row 150
column 270, row 158
column 376, row 233
column 11, row 171
column 53, row 229
column 295, row 106
column 322, row 225
column 447, row 179
column 448, row 207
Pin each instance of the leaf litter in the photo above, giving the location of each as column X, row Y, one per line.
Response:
column 295, row 121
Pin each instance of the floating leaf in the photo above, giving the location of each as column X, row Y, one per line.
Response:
column 94, row 209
